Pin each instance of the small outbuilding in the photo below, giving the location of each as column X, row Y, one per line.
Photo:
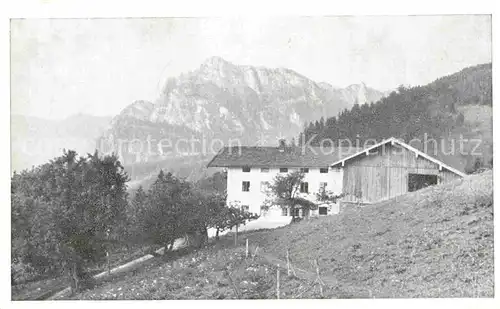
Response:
column 389, row 169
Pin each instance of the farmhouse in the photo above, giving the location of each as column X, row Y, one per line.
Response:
column 364, row 176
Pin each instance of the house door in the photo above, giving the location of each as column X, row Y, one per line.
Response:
column 420, row 181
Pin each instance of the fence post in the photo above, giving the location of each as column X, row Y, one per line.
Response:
column 107, row 251
column 246, row 252
column 255, row 253
column 287, row 262
column 278, row 282
column 236, row 236
column 319, row 278
column 108, row 263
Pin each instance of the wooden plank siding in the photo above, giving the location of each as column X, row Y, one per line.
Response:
column 383, row 174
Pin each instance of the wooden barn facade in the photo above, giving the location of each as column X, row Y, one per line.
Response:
column 389, row 169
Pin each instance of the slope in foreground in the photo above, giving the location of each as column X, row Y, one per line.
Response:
column 436, row 242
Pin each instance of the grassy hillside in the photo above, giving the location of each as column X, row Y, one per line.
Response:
column 212, row 273
column 436, row 242
column 478, row 125
column 433, row 242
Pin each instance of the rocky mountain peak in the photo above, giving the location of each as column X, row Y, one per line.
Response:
column 227, row 101
column 139, row 109
column 215, row 61
column 217, row 64
column 361, row 93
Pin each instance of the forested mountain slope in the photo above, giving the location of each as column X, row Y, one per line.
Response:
column 454, row 106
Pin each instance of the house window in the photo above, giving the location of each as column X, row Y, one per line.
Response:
column 304, row 187
column 322, row 186
column 284, row 211
column 264, row 170
column 323, row 170
column 246, row 169
column 420, row 181
column 264, row 185
column 296, row 210
column 323, row 211
column 283, row 170
column 245, row 208
column 245, row 186
column 304, row 170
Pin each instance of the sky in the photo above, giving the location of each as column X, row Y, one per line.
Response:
column 61, row 67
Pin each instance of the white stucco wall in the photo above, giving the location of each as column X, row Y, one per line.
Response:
column 255, row 197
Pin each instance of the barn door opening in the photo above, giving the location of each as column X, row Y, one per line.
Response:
column 419, row 181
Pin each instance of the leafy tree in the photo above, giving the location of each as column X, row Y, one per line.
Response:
column 478, row 164
column 475, row 165
column 460, row 119
column 213, row 211
column 135, row 211
column 33, row 242
column 229, row 217
column 209, row 210
column 165, row 217
column 71, row 203
column 317, row 126
column 328, row 196
column 176, row 209
column 285, row 191
column 215, row 183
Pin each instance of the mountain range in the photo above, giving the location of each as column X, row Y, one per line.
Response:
column 220, row 95
column 221, row 101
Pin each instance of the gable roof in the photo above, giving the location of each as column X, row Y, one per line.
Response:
column 273, row 157
column 393, row 140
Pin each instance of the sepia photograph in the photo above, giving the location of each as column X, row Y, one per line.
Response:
column 251, row 157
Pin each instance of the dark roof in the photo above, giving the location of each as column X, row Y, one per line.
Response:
column 311, row 156
column 273, row 157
